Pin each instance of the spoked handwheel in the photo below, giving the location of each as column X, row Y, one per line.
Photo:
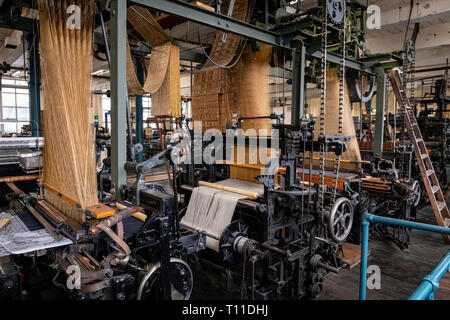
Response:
column 181, row 281
column 340, row 220
column 416, row 193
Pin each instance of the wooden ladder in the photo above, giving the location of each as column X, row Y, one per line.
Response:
column 437, row 199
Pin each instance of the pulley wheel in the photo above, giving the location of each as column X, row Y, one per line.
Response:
column 340, row 219
column 235, row 229
column 336, row 10
column 416, row 191
column 181, row 281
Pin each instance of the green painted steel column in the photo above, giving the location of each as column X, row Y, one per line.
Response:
column 298, row 81
column 34, row 85
column 118, row 94
column 379, row 117
column 139, row 110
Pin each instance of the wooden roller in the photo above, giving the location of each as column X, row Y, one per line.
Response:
column 21, row 178
column 249, row 194
column 4, row 222
column 138, row 215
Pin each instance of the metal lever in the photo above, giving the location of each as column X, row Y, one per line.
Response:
column 142, row 169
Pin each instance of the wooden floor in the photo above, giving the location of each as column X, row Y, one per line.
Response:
column 401, row 270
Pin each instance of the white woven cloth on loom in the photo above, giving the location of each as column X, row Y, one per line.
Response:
column 243, row 185
column 211, row 210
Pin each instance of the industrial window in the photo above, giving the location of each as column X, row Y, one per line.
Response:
column 146, row 106
column 15, row 111
column 106, row 106
column 146, row 109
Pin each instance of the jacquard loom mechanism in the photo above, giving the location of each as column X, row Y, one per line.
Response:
column 120, row 257
column 274, row 237
column 278, row 231
column 286, row 226
column 283, row 230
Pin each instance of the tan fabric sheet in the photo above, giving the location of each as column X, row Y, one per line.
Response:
column 163, row 73
column 220, row 96
column 223, row 53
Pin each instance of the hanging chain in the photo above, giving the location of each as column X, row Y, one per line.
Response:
column 337, row 165
column 408, row 76
column 323, row 106
column 412, row 79
column 405, row 80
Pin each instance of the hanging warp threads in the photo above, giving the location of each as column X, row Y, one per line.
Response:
column 66, row 59
column 226, row 44
column 221, row 94
column 251, row 84
column 163, row 75
column 213, row 100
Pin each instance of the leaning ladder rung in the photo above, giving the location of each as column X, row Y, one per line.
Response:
column 440, row 208
column 435, row 189
column 447, row 222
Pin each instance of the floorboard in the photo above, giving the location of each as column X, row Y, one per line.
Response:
column 401, row 270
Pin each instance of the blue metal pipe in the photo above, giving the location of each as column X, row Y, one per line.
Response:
column 364, row 253
column 365, row 222
column 430, row 283
column 409, row 224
